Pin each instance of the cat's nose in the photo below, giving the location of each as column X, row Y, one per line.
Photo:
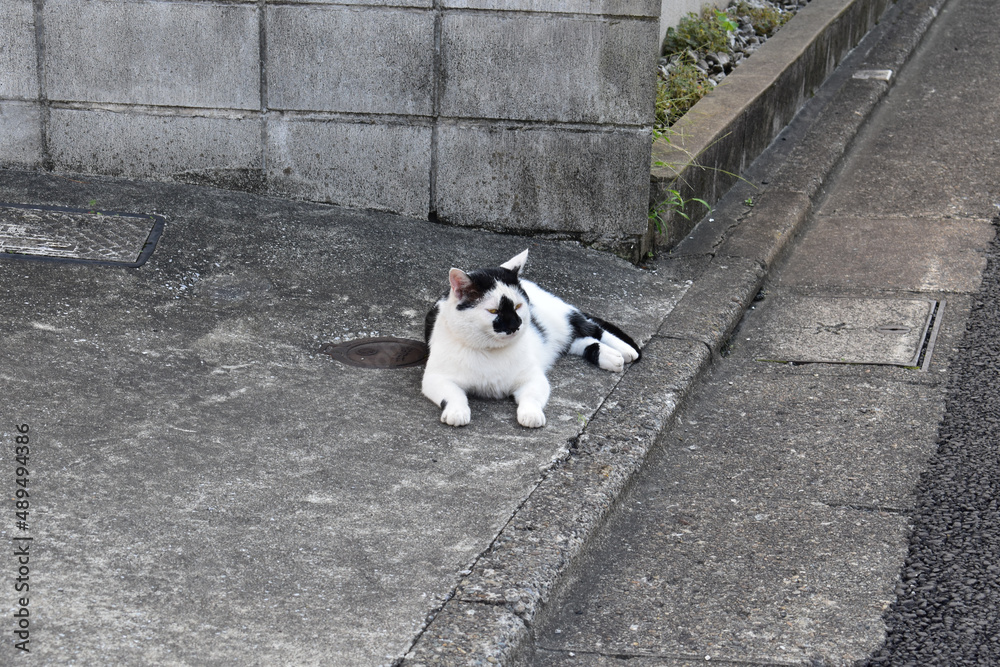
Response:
column 507, row 325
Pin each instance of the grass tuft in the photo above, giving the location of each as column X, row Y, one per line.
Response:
column 682, row 83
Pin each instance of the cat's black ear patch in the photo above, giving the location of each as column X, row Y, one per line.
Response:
column 463, row 285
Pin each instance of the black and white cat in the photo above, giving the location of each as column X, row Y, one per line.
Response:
column 496, row 335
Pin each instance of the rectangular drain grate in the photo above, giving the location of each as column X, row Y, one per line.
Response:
column 877, row 331
column 29, row 231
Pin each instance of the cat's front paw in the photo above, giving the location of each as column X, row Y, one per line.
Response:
column 456, row 415
column 530, row 416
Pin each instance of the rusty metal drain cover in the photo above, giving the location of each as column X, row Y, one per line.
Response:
column 29, row 231
column 378, row 352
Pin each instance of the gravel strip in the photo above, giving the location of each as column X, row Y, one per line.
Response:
column 948, row 606
column 742, row 43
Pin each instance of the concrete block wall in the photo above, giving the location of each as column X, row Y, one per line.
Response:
column 515, row 115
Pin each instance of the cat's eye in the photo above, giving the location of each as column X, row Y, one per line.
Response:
column 492, row 311
column 518, row 306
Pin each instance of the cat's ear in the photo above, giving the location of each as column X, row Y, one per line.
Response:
column 515, row 264
column 461, row 284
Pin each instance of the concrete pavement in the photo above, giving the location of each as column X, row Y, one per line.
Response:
column 209, row 489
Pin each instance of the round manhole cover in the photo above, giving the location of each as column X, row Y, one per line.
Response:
column 378, row 352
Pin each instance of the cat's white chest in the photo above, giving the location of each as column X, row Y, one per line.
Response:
column 491, row 373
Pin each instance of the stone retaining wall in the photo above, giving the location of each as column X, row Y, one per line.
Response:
column 517, row 115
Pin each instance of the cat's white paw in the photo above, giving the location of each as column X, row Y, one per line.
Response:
column 611, row 359
column 456, row 415
column 530, row 416
column 629, row 354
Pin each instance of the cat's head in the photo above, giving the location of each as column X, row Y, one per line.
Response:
column 490, row 305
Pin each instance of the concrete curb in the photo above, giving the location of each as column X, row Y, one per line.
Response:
column 490, row 616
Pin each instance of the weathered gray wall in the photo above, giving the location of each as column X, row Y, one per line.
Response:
column 508, row 114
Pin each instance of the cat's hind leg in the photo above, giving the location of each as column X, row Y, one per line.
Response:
column 599, row 354
column 628, row 352
column 601, row 343
column 618, row 339
column 449, row 397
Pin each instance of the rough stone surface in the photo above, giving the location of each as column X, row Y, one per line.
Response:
column 396, row 168
column 557, row 69
column 645, row 8
column 18, row 63
column 708, row 312
column 779, row 591
column 842, row 440
column 21, row 129
column 483, row 179
column 460, row 627
column 765, row 232
column 884, row 249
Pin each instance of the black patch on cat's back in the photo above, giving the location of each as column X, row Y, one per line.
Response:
column 429, row 322
column 583, row 326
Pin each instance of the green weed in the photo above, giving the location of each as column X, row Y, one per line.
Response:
column 698, row 34
column 676, row 94
column 674, row 203
column 708, row 31
column 765, row 20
